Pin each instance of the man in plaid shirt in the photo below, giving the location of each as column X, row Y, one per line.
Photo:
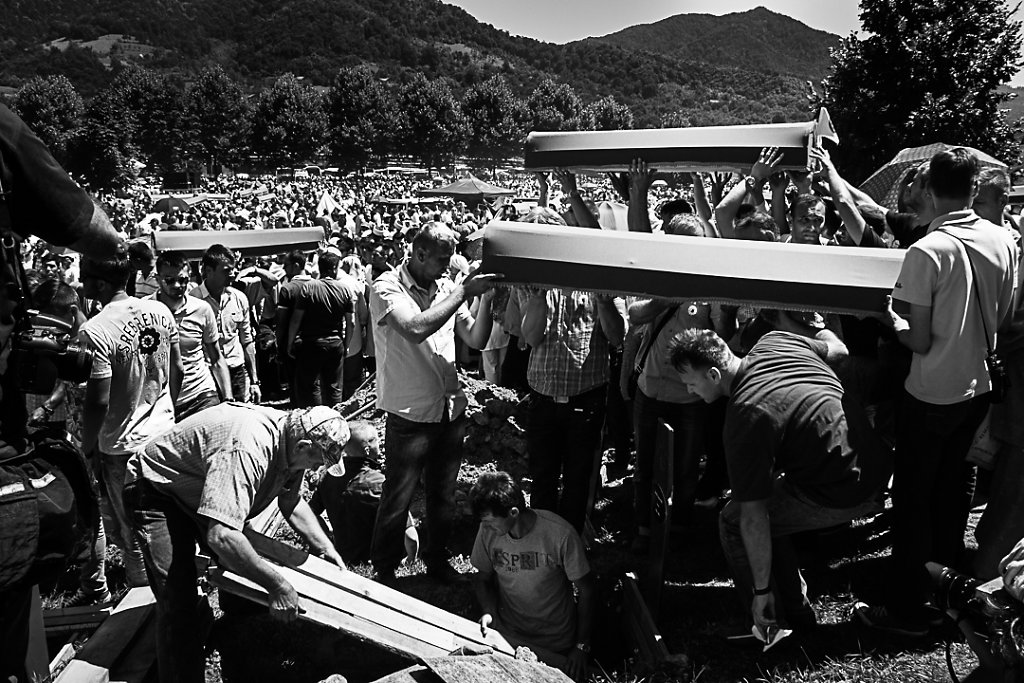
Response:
column 201, row 481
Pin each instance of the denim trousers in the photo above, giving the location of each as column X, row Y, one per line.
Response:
column 319, row 361
column 789, row 512
column 931, row 492
column 562, row 440
column 433, row 449
column 115, row 515
column 167, row 537
column 688, row 422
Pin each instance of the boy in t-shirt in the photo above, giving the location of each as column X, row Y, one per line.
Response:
column 527, row 563
column 350, row 494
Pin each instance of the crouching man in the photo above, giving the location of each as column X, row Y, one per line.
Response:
column 527, row 563
column 200, row 481
column 800, row 457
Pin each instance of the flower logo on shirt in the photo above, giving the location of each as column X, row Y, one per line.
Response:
column 149, row 341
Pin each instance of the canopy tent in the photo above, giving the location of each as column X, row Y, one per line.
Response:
column 327, row 205
column 469, row 190
column 774, row 275
column 885, row 184
column 1017, row 194
column 713, row 148
column 248, row 242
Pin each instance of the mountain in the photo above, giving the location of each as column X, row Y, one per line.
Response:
column 257, row 40
column 758, row 39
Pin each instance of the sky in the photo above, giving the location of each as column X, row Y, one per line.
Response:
column 562, row 21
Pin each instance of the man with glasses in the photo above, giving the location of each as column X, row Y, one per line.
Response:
column 201, row 481
column 205, row 380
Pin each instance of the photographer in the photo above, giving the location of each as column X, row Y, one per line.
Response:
column 37, row 196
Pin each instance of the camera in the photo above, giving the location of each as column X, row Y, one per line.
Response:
column 994, row 616
column 43, row 351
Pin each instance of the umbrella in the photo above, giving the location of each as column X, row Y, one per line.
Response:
column 168, row 204
column 469, row 190
column 884, row 184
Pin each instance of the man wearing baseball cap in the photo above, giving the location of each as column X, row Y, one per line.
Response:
column 201, row 481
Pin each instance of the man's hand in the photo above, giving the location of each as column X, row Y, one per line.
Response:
column 640, row 178
column 284, row 603
column 576, row 664
column 778, row 181
column 254, row 392
column 567, row 179
column 763, row 610
column 488, row 623
column 892, row 319
column 1011, row 568
column 821, row 155
column 477, row 283
column 765, row 164
column 620, row 183
column 331, row 555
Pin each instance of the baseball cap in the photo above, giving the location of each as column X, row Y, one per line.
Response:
column 327, row 429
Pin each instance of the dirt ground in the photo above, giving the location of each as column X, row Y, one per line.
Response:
column 697, row 610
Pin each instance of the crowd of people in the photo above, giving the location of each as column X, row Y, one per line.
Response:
column 789, row 420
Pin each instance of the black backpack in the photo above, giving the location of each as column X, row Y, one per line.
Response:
column 48, row 509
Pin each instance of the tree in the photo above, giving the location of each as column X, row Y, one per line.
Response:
column 556, row 106
column 927, row 72
column 434, row 128
column 105, row 151
column 289, row 122
column 217, row 118
column 155, row 103
column 608, row 114
column 497, row 120
column 53, row 109
column 362, row 117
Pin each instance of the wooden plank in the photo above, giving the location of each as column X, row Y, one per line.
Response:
column 88, row 610
column 325, row 571
column 114, row 637
column 493, row 669
column 267, row 522
column 64, row 655
column 359, row 628
column 661, row 514
column 648, row 640
column 84, row 619
column 37, row 659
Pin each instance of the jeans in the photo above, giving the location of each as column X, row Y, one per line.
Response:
column 320, row 360
column 789, row 513
column 562, row 440
column 435, row 449
column 931, row 492
column 167, row 537
column 618, row 420
column 688, row 421
column 120, row 532
column 239, row 383
column 352, row 376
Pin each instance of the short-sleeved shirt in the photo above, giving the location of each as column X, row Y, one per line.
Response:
column 146, row 285
column 786, row 411
column 936, row 273
column 659, row 380
column 232, row 311
column 535, row 575
column 197, row 325
column 416, row 381
column 328, row 307
column 226, row 463
column 573, row 358
column 132, row 341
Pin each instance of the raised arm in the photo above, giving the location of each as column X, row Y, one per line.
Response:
column 640, row 178
column 585, row 218
column 844, row 201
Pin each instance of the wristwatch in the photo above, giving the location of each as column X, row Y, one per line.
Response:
column 583, row 647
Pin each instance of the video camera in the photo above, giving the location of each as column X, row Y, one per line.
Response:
column 992, row 620
column 43, row 351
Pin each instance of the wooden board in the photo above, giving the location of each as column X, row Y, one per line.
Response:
column 493, row 669
column 268, row 522
column 661, row 515
column 374, row 592
column 113, row 640
column 315, row 612
column 648, row 645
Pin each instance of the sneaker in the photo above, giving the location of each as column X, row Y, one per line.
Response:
column 879, row 618
column 444, row 573
column 84, row 598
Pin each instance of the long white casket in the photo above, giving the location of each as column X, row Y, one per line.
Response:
column 787, row 276
column 714, row 148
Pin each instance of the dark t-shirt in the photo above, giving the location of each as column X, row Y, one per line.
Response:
column 325, row 303
column 787, row 413
column 42, row 198
column 905, row 228
column 351, row 502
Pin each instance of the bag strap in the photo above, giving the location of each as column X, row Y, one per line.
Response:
column 974, row 283
column 654, row 337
